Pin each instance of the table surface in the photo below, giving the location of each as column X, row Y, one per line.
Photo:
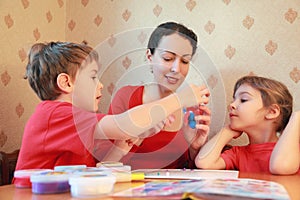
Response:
column 7, row 192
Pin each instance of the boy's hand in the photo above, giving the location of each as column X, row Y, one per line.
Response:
column 192, row 95
column 125, row 145
column 167, row 122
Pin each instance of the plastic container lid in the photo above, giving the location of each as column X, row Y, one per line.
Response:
column 69, row 168
column 114, row 166
column 52, row 176
column 22, row 177
column 93, row 170
column 28, row 172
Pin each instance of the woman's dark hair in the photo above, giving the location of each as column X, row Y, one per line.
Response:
column 169, row 28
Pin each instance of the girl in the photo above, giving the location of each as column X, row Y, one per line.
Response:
column 261, row 108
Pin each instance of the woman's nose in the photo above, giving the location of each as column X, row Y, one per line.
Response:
column 176, row 65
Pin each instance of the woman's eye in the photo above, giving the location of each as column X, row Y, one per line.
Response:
column 167, row 59
column 243, row 100
column 185, row 61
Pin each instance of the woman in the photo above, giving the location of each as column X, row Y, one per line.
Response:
column 172, row 143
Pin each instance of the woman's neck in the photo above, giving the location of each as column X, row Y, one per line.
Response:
column 154, row 92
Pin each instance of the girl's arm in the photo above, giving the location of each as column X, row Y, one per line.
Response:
column 141, row 118
column 209, row 156
column 285, row 158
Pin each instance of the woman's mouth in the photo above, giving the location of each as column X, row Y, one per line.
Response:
column 172, row 80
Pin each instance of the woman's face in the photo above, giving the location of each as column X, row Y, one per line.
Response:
column 171, row 61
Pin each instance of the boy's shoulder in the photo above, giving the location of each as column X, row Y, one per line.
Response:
column 54, row 104
column 49, row 107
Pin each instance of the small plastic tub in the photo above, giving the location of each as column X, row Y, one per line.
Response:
column 91, row 185
column 22, row 177
column 50, row 182
column 122, row 172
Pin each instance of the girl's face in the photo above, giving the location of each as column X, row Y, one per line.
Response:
column 87, row 88
column 171, row 61
column 247, row 111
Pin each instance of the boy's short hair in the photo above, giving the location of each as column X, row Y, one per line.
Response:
column 47, row 60
column 272, row 92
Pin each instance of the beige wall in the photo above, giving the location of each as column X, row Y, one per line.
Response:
column 236, row 38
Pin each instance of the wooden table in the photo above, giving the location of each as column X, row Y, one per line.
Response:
column 8, row 192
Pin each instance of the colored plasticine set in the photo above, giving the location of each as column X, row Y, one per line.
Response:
column 80, row 180
column 99, row 181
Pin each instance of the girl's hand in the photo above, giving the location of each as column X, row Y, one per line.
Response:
column 198, row 136
column 235, row 134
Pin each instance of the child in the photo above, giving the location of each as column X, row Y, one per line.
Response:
column 64, row 125
column 285, row 158
column 261, row 108
column 170, row 50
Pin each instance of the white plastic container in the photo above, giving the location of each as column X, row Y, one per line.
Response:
column 50, row 182
column 122, row 172
column 91, row 185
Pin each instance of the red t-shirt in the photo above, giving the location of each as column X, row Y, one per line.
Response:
column 162, row 150
column 58, row 134
column 250, row 158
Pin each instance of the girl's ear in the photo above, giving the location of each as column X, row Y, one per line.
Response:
column 273, row 112
column 64, row 82
column 148, row 55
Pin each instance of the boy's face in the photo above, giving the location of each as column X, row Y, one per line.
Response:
column 247, row 111
column 171, row 61
column 87, row 88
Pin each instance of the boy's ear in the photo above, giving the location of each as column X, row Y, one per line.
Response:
column 64, row 82
column 273, row 112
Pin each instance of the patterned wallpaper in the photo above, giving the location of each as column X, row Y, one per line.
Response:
column 235, row 38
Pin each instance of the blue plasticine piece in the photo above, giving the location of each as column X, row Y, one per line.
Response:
column 192, row 124
column 191, row 120
column 191, row 116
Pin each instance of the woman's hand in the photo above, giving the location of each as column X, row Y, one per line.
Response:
column 198, row 136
